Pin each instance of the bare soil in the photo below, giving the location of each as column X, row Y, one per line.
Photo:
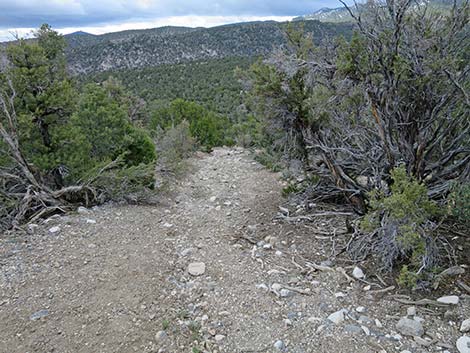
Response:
column 115, row 279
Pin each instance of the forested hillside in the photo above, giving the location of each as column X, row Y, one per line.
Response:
column 144, row 48
column 211, row 83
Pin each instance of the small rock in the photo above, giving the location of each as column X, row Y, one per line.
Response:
column 197, row 268
column 276, row 287
column 450, row 299
column 280, row 346
column 361, row 309
column 160, row 335
column 213, row 198
column 410, row 327
column 465, row 326
column 219, row 338
column 83, row 210
column 463, row 344
column 365, row 320
column 187, row 252
column 54, row 230
column 288, row 322
column 378, row 323
column 353, row 329
column 284, row 293
column 278, row 253
column 337, row 317
column 262, row 286
column 358, row 273
column 340, row 295
column 39, row 315
column 90, row 221
column 411, row 311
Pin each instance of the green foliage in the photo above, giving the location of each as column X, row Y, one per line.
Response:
column 459, row 202
column 403, row 215
column 207, row 127
column 62, row 127
column 210, row 83
column 124, row 183
column 174, row 145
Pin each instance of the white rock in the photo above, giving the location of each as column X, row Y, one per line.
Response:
column 160, row 335
column 450, row 299
column 280, row 345
column 262, row 286
column 287, row 322
column 82, row 210
column 90, row 221
column 213, row 198
column 284, row 293
column 54, row 230
column 411, row 311
column 463, row 344
column 358, row 273
column 197, row 268
column 219, row 338
column 278, row 253
column 378, row 323
column 337, row 317
column 465, row 326
column 361, row 309
column 340, row 295
column 276, row 287
column 167, row 225
column 410, row 327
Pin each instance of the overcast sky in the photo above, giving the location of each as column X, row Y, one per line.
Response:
column 101, row 16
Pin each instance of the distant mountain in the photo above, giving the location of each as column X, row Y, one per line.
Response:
column 171, row 45
column 342, row 15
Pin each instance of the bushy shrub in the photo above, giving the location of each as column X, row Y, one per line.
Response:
column 402, row 225
column 210, row 129
column 174, row 145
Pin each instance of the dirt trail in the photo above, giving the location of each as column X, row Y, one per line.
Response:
column 115, row 279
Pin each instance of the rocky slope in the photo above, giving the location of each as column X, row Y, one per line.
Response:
column 171, row 45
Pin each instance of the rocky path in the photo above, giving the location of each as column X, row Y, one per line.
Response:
column 206, row 271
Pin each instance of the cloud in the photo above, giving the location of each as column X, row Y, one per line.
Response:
column 67, row 13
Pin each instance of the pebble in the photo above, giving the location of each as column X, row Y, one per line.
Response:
column 284, row 293
column 54, row 230
column 39, row 315
column 450, row 299
column 278, row 253
column 465, row 326
column 197, row 268
column 410, row 327
column 262, row 286
column 463, row 344
column 411, row 311
column 378, row 323
column 358, row 273
column 83, row 210
column 361, row 309
column 160, row 335
column 353, row 329
column 280, row 346
column 219, row 338
column 337, row 317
